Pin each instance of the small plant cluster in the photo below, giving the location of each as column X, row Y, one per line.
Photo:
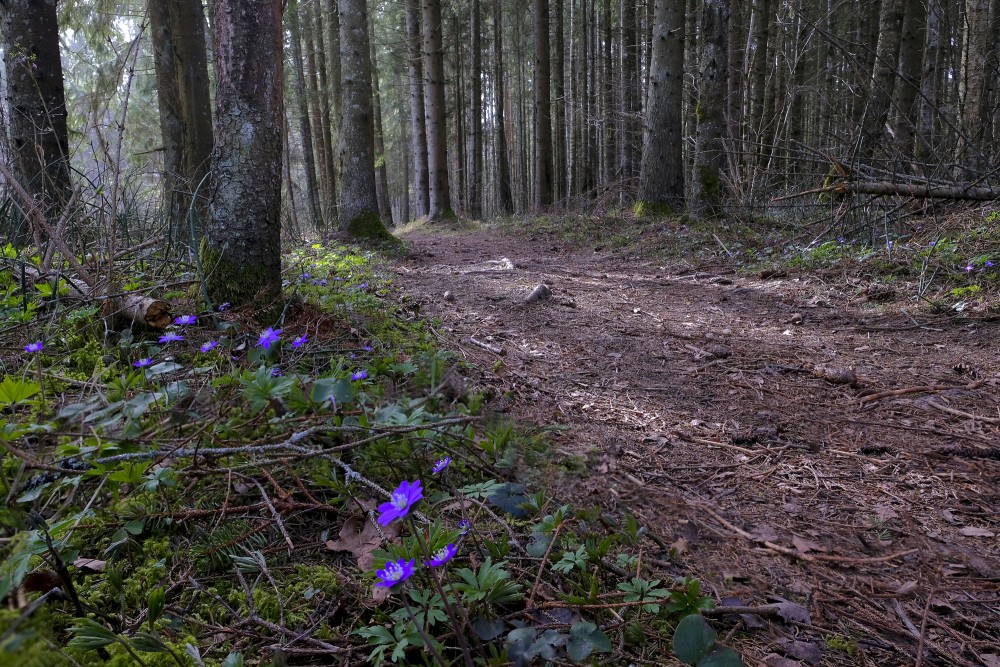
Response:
column 166, row 496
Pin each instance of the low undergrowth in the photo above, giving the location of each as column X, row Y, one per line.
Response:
column 322, row 489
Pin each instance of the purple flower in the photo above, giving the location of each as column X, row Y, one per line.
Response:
column 306, row 276
column 988, row 264
column 932, row 243
column 224, row 305
column 441, row 465
column 322, row 282
column 464, row 527
column 300, row 341
column 34, row 347
column 209, row 346
column 315, row 282
column 402, row 499
column 970, row 267
column 394, row 572
column 360, row 375
column 143, row 363
column 442, row 556
column 367, row 348
column 267, row 337
column 276, row 372
column 841, row 240
column 888, row 245
column 363, row 286
column 170, row 337
column 184, row 320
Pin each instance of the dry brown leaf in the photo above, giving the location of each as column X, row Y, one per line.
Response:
column 91, row 564
column 360, row 537
column 804, row 546
column 972, row 531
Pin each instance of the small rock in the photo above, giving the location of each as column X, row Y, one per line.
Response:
column 796, row 318
column 540, row 293
column 448, row 296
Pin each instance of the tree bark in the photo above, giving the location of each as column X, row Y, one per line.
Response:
column 629, row 96
column 36, row 102
column 505, row 199
column 421, row 195
column 707, row 188
column 661, row 173
column 911, row 51
column 475, row 144
column 975, row 102
column 543, row 107
column 381, row 174
column 883, row 76
column 241, row 252
column 439, row 204
column 305, row 124
column 358, row 199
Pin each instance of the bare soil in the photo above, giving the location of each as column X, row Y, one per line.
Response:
column 790, row 438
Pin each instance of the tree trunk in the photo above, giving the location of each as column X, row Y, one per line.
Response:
column 661, row 173
column 608, row 148
column 883, row 77
column 707, row 186
column 505, row 200
column 322, row 148
column 926, row 135
column 559, row 103
column 543, row 107
column 475, row 150
column 421, row 196
column 171, row 116
column 910, row 59
column 358, row 199
column 325, row 122
column 36, row 102
column 305, row 125
column 241, row 252
column 629, row 95
column 439, row 205
column 381, row 175
column 978, row 42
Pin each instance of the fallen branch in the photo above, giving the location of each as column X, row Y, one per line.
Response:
column 890, row 393
column 887, row 189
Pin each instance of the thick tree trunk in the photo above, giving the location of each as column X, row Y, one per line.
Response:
column 36, row 102
column 421, row 195
column 325, row 122
column 505, row 199
column 171, row 116
column 926, row 136
column 661, row 173
column 358, row 199
column 543, row 107
column 910, row 59
column 707, row 186
column 558, row 103
column 305, row 124
column 883, row 76
column 439, row 205
column 322, row 148
column 241, row 252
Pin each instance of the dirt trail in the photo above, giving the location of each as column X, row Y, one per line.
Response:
column 717, row 409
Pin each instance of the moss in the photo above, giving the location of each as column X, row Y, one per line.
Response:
column 645, row 209
column 368, row 228
column 226, row 282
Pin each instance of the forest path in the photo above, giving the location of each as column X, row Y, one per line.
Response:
column 716, row 408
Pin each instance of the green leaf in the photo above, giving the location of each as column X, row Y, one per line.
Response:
column 89, row 634
column 148, row 643
column 722, row 657
column 694, row 639
column 155, row 603
column 488, row 630
column 15, row 390
column 332, row 391
column 584, row 638
column 162, row 368
column 233, row 660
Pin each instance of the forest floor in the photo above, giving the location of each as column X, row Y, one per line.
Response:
column 814, row 436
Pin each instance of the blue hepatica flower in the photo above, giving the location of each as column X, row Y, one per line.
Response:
column 306, row 276
column 970, row 267
column 268, row 337
column 223, row 306
column 441, row 465
column 184, row 320
column 442, row 556
column 300, row 341
column 143, row 363
column 367, row 348
column 464, row 527
column 394, row 572
column 171, row 337
column 276, row 372
column 34, row 347
column 359, row 375
column 209, row 346
column 402, row 500
column 988, row 265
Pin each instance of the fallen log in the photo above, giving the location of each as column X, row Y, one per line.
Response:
column 886, row 189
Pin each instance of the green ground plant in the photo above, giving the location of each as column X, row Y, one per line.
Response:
column 221, row 493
